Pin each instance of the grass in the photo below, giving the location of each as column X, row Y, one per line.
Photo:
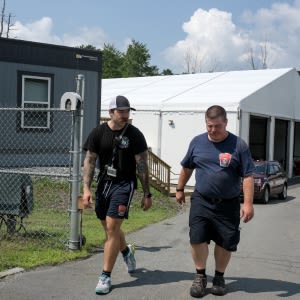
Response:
column 48, row 227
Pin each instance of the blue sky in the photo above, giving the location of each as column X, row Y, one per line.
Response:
column 203, row 36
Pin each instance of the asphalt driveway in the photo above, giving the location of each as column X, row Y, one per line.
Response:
column 266, row 265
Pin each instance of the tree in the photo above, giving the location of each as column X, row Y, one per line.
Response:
column 259, row 61
column 187, row 60
column 195, row 64
column 264, row 55
column 167, row 72
column 112, row 62
column 133, row 63
column 136, row 61
column 89, row 47
column 2, row 18
column 5, row 20
column 250, row 59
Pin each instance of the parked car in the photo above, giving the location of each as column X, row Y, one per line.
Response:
column 270, row 180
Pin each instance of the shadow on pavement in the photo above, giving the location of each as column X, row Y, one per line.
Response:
column 150, row 277
column 262, row 285
column 234, row 284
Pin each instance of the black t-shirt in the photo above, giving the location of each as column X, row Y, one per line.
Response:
column 102, row 140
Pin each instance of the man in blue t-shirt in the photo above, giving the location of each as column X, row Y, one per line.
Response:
column 220, row 159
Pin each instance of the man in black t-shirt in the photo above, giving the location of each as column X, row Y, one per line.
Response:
column 122, row 152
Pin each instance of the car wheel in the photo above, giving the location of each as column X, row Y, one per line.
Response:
column 266, row 195
column 283, row 194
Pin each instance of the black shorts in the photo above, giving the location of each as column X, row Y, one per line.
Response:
column 113, row 199
column 215, row 220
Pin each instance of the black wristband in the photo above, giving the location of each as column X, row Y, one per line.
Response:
column 148, row 195
column 179, row 190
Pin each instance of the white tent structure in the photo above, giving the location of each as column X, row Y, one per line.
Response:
column 170, row 110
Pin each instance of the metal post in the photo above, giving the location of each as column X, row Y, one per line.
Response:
column 75, row 183
column 75, row 238
column 80, row 90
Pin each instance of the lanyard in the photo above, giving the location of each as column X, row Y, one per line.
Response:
column 117, row 140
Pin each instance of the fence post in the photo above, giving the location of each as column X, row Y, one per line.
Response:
column 80, row 89
column 75, row 238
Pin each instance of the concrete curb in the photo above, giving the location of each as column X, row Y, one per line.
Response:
column 11, row 272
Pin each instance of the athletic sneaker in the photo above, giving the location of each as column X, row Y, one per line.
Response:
column 218, row 287
column 104, row 285
column 129, row 259
column 198, row 287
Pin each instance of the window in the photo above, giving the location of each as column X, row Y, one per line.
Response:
column 276, row 169
column 36, row 93
column 272, row 170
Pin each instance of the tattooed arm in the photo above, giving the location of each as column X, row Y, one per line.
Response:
column 143, row 174
column 88, row 174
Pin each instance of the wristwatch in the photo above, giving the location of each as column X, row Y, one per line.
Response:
column 148, row 195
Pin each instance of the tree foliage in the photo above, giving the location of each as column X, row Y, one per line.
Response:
column 134, row 62
column 112, row 62
column 167, row 72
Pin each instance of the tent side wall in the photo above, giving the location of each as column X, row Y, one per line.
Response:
column 273, row 99
column 148, row 122
column 278, row 102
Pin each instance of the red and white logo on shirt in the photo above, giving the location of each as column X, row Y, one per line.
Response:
column 225, row 159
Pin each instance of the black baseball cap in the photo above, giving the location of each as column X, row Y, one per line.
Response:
column 120, row 103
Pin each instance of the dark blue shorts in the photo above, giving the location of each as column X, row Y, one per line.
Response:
column 215, row 220
column 113, row 199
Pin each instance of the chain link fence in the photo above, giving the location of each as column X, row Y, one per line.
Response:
column 36, row 161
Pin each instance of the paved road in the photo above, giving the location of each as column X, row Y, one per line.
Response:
column 266, row 266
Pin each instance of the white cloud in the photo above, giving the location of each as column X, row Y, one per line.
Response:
column 42, row 31
column 86, row 36
column 279, row 27
column 38, row 31
column 216, row 43
column 213, row 42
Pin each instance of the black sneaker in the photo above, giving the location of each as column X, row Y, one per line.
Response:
column 218, row 287
column 198, row 287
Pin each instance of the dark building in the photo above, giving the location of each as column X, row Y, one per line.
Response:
column 36, row 75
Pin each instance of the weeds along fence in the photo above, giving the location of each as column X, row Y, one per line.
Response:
column 37, row 175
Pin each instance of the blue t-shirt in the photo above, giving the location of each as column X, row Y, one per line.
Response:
column 219, row 166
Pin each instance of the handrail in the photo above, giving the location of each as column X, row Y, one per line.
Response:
column 159, row 173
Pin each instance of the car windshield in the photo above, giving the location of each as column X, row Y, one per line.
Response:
column 260, row 169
